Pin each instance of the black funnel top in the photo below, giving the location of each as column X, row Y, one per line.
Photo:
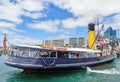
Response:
column 91, row 26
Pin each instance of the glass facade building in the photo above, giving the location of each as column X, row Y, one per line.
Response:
column 110, row 33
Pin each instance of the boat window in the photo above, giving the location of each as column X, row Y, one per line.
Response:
column 34, row 53
column 92, row 55
column 24, row 52
column 31, row 52
column 74, row 55
column 61, row 54
column 83, row 55
column 46, row 53
column 86, row 55
column 14, row 52
column 52, row 54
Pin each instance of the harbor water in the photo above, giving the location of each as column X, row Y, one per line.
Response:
column 106, row 73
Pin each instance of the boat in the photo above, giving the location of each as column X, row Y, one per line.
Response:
column 50, row 58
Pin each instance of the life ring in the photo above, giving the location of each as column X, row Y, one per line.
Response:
column 61, row 48
column 47, row 47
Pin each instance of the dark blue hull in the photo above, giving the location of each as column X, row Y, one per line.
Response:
column 30, row 63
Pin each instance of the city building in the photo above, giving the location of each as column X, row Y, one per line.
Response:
column 56, row 43
column 73, row 42
column 82, row 42
column 59, row 43
column 78, row 42
column 110, row 33
column 47, row 43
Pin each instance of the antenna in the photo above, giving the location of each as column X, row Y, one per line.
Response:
column 98, row 23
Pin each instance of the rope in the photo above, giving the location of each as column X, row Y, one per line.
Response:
column 51, row 64
column 97, row 36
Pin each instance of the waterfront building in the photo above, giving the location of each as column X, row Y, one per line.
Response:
column 59, row 43
column 110, row 33
column 56, row 43
column 67, row 45
column 47, row 42
column 82, row 42
column 79, row 42
column 73, row 42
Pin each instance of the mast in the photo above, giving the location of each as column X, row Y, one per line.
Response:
column 98, row 23
column 97, row 36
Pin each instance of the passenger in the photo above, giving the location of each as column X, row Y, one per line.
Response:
column 25, row 53
column 53, row 54
column 77, row 55
column 114, row 52
column 12, row 53
column 69, row 55
column 98, row 47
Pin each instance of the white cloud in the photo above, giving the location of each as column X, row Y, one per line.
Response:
column 11, row 12
column 6, row 25
column 33, row 5
column 11, row 16
column 86, row 11
column 88, row 7
column 59, row 37
column 48, row 26
column 70, row 23
column 17, row 39
column 75, row 22
column 34, row 15
column 116, row 21
column 8, row 28
column 33, row 8
column 113, row 22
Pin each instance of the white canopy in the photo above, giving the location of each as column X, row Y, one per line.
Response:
column 84, row 50
column 67, row 49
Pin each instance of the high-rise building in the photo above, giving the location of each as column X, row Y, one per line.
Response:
column 56, row 43
column 73, row 42
column 118, row 34
column 47, row 42
column 77, row 42
column 82, row 42
column 59, row 43
column 110, row 33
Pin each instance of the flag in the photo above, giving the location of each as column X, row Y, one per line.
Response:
column 4, row 42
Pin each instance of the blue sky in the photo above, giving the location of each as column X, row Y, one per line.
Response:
column 30, row 21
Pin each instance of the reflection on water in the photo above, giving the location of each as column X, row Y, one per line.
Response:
column 42, row 78
column 10, row 74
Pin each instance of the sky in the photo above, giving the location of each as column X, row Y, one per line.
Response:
column 30, row 21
